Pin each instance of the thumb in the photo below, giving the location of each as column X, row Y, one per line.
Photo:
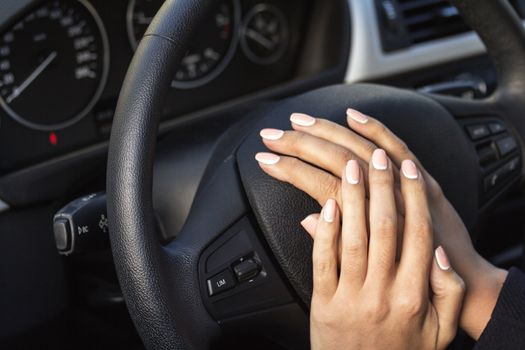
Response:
column 448, row 290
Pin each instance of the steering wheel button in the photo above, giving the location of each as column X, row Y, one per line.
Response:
column 220, row 283
column 477, row 132
column 246, row 270
column 496, row 127
column 506, row 145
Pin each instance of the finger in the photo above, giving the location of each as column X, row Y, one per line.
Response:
column 354, row 257
column 335, row 133
column 311, row 149
column 317, row 183
column 314, row 150
column 417, row 233
column 448, row 290
column 310, row 224
column 379, row 134
column 325, row 251
column 383, row 219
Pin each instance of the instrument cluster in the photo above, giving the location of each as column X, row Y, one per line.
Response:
column 62, row 64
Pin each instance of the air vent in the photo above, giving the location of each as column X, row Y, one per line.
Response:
column 427, row 20
column 407, row 22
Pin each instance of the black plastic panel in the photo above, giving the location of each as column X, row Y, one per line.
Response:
column 263, row 291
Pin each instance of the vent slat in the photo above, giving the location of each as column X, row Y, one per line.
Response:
column 427, row 20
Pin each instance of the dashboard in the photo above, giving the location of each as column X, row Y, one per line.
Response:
column 62, row 63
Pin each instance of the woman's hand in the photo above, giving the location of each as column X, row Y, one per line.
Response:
column 315, row 153
column 373, row 302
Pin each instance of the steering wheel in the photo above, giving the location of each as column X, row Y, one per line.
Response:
column 241, row 263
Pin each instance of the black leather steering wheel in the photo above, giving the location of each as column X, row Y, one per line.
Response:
column 241, row 215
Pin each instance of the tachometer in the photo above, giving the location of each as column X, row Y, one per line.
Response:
column 53, row 65
column 212, row 47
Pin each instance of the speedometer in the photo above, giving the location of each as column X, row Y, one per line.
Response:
column 211, row 49
column 53, row 65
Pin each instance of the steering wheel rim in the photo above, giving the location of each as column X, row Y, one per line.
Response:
column 150, row 274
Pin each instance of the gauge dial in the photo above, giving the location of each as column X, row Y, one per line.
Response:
column 264, row 35
column 212, row 47
column 53, row 65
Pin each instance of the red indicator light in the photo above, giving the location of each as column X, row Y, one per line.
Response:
column 53, row 139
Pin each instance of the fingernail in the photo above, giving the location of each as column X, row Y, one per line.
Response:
column 302, row 119
column 409, row 169
column 379, row 160
column 329, row 211
column 271, row 134
column 442, row 259
column 352, row 172
column 357, row 116
column 267, row 158
column 309, row 223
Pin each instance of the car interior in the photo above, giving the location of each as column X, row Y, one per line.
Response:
column 132, row 211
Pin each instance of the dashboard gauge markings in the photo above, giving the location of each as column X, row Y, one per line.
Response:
column 61, row 52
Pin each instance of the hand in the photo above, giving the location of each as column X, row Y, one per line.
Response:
column 374, row 302
column 306, row 166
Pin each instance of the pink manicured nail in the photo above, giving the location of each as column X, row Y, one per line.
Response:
column 302, row 119
column 267, row 158
column 357, row 116
column 442, row 259
column 329, row 211
column 271, row 134
column 352, row 172
column 409, row 169
column 379, row 160
column 310, row 223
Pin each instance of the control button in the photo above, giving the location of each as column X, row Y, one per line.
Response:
column 246, row 270
column 220, row 283
column 506, row 145
column 492, row 180
column 62, row 232
column 477, row 132
column 512, row 165
column 496, row 127
column 487, row 155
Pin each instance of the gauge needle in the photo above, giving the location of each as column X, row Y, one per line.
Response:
column 252, row 34
column 36, row 73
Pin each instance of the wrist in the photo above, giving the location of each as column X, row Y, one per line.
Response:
column 483, row 290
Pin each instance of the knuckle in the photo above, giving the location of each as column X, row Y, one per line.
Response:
column 355, row 248
column 295, row 141
column 369, row 148
column 376, row 310
column 330, row 186
column 323, row 266
column 403, row 148
column 458, row 287
column 324, row 316
column 386, row 225
column 380, row 129
column 409, row 305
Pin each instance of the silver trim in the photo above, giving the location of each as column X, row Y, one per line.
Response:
column 213, row 73
column 368, row 61
column 4, row 206
column 85, row 111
